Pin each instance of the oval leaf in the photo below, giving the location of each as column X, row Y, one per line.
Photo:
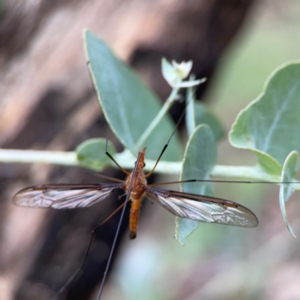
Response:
column 289, row 174
column 199, row 159
column 271, row 123
column 91, row 153
column 128, row 105
column 269, row 164
column 204, row 116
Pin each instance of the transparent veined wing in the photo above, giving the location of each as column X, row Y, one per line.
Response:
column 62, row 196
column 204, row 208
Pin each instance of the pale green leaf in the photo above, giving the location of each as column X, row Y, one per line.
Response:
column 289, row 174
column 270, row 125
column 199, row 158
column 128, row 105
column 204, row 116
column 91, row 153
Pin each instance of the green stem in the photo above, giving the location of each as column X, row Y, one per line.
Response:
column 141, row 142
column 251, row 173
column 35, row 156
column 242, row 172
column 190, row 110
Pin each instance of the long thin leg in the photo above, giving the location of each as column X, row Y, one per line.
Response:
column 104, row 176
column 96, row 229
column 223, row 181
column 118, row 228
column 86, row 252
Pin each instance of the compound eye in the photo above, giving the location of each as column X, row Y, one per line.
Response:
column 144, row 165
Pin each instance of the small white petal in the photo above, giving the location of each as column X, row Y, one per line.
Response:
column 185, row 84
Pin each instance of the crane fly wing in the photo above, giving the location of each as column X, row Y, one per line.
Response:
column 62, row 196
column 204, row 208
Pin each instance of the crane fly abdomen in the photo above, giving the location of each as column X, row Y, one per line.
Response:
column 134, row 216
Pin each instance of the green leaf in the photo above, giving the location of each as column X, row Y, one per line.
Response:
column 204, row 116
column 91, row 153
column 269, row 164
column 269, row 126
column 199, row 158
column 128, row 105
column 289, row 174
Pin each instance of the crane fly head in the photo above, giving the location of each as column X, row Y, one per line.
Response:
column 140, row 162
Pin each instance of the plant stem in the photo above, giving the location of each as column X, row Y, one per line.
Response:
column 35, row 156
column 141, row 142
column 190, row 110
column 251, row 173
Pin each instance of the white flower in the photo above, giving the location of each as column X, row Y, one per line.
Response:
column 183, row 69
column 175, row 73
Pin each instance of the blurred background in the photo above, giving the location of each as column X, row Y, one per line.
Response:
column 47, row 103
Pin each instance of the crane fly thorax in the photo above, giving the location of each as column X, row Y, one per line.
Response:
column 138, row 186
column 139, row 182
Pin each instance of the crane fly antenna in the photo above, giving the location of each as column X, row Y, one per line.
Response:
column 122, row 169
column 108, row 154
column 118, row 227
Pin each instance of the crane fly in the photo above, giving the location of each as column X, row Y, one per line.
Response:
column 185, row 205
